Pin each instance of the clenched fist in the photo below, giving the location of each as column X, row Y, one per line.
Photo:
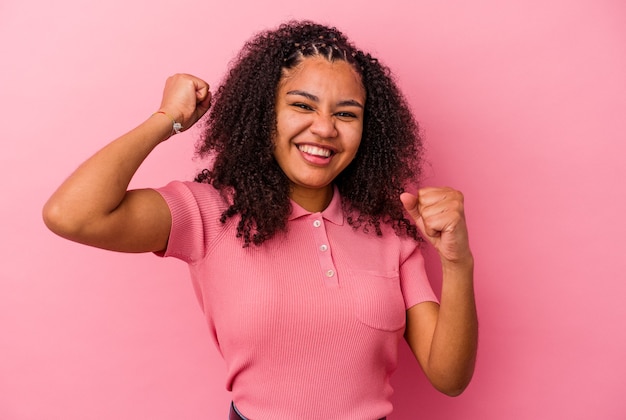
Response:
column 440, row 216
column 186, row 99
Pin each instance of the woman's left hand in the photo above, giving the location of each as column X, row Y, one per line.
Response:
column 444, row 338
column 439, row 215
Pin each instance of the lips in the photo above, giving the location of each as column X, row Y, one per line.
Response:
column 315, row 150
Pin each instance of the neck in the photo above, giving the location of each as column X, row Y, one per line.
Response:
column 313, row 200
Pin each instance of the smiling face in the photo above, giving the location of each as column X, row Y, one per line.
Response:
column 319, row 115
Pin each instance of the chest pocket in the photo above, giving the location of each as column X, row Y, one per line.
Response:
column 377, row 299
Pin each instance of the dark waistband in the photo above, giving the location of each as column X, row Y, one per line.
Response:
column 236, row 415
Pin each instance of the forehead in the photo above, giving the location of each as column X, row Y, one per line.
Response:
column 318, row 75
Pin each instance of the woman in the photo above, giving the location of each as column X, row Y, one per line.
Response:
column 303, row 248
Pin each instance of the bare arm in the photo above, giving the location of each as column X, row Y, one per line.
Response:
column 93, row 206
column 444, row 338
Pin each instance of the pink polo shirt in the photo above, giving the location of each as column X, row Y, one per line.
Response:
column 309, row 322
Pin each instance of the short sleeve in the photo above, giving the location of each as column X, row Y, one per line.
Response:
column 196, row 209
column 414, row 282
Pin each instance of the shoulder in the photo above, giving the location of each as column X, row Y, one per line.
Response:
column 187, row 192
column 196, row 210
column 194, row 204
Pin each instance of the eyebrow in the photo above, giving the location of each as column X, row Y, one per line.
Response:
column 310, row 96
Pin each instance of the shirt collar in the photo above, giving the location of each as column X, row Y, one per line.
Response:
column 333, row 213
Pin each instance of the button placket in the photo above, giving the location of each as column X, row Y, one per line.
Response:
column 329, row 272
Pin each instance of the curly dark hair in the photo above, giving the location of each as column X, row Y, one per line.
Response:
column 239, row 130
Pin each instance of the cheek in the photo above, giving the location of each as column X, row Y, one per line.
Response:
column 286, row 128
column 354, row 147
column 281, row 131
column 355, row 142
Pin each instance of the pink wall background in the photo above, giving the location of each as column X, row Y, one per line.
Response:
column 523, row 106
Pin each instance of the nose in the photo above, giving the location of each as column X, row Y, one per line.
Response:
column 323, row 125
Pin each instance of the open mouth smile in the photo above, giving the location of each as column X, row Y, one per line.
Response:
column 315, row 151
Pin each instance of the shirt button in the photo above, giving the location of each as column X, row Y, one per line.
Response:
column 330, row 273
column 323, row 247
column 317, row 223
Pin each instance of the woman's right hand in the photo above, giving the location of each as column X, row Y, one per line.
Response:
column 93, row 205
column 186, row 99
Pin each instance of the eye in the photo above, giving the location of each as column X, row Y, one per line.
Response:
column 345, row 115
column 302, row 105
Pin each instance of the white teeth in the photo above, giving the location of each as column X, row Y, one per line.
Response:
column 316, row 151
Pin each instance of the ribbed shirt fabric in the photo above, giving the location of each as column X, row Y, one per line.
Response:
column 309, row 322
